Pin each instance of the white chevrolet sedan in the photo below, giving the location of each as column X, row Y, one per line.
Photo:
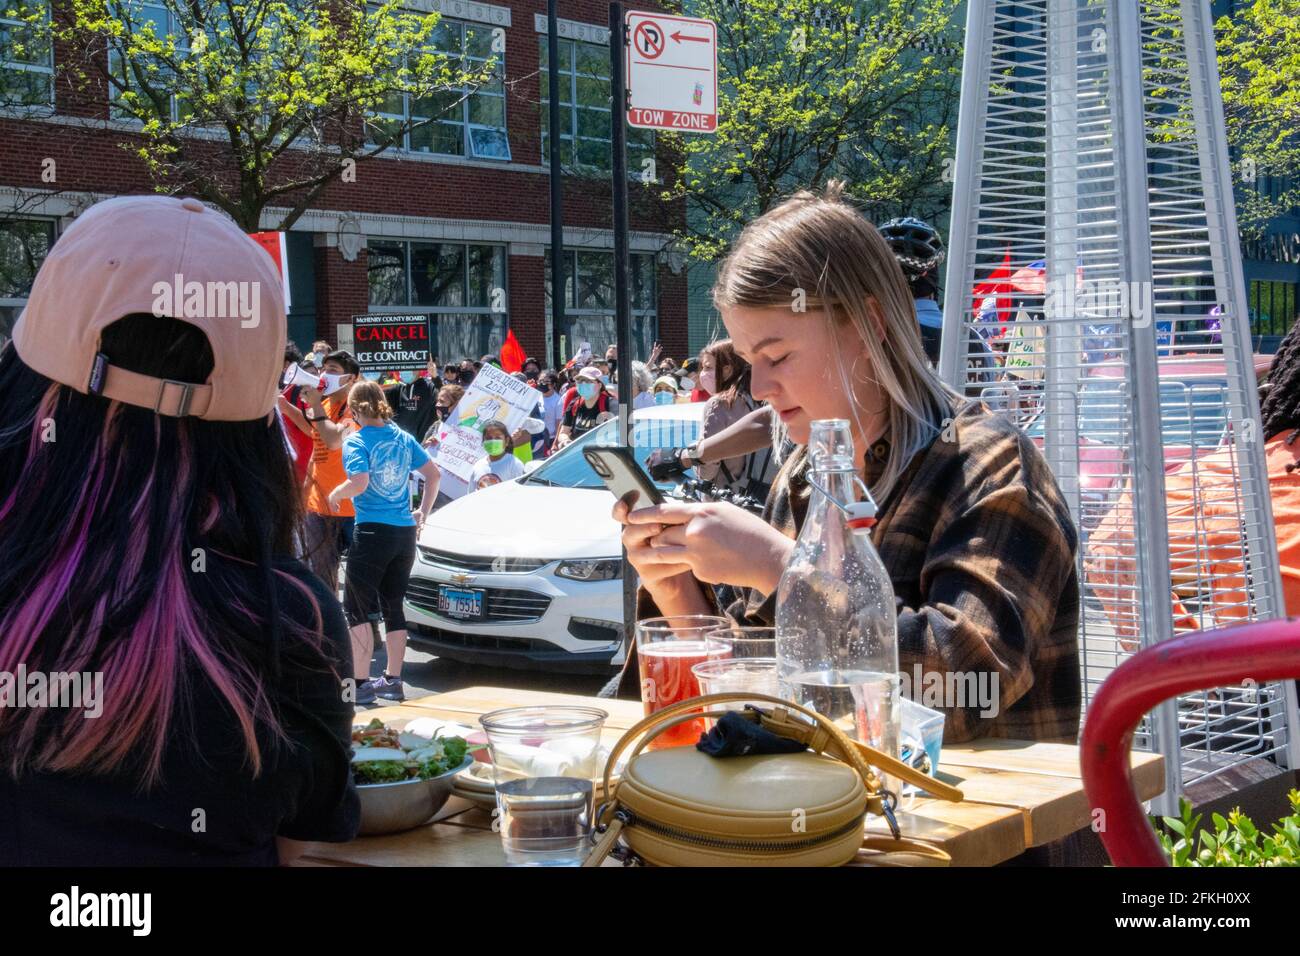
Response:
column 528, row 573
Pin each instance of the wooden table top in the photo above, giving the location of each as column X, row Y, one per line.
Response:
column 1018, row 794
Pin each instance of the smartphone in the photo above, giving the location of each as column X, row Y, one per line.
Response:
column 624, row 476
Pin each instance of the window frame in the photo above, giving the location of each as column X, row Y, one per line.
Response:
column 17, row 66
column 571, row 282
column 469, row 148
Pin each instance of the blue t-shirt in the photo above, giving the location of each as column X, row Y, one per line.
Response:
column 388, row 455
column 929, row 314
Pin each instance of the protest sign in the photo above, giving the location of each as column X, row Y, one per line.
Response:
column 494, row 394
column 395, row 342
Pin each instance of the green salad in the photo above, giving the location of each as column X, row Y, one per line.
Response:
column 383, row 755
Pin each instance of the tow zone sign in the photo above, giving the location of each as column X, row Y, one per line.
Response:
column 672, row 72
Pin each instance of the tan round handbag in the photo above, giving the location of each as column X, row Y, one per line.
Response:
column 682, row 807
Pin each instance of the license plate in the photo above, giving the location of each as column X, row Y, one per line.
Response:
column 461, row 604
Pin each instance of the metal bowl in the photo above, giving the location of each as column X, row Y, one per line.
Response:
column 393, row 807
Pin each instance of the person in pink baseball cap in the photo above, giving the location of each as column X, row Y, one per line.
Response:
column 190, row 706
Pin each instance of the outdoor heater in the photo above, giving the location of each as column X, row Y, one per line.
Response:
column 1094, row 245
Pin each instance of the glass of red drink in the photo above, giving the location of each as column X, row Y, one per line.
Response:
column 667, row 648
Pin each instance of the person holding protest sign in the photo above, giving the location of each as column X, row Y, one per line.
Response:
column 500, row 460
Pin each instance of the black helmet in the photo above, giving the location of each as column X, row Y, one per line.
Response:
column 915, row 244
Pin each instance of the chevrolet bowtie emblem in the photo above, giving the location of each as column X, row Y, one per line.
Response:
column 461, row 579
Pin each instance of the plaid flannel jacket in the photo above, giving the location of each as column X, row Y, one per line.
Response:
column 980, row 547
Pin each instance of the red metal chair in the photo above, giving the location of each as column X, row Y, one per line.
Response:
column 1263, row 651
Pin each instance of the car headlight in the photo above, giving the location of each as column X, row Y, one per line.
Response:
column 595, row 569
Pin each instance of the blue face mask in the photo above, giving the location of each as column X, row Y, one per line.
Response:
column 665, row 398
column 588, row 389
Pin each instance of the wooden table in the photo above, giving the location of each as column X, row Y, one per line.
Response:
column 1019, row 794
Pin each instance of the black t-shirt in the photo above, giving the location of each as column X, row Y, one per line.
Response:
column 582, row 418
column 413, row 405
column 304, row 792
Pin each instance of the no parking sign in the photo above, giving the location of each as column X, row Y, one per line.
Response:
column 672, row 72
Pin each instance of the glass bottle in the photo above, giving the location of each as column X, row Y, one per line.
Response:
column 836, row 623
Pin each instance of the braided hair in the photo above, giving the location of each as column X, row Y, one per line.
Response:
column 1279, row 403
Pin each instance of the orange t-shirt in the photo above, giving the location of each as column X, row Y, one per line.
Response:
column 1205, row 542
column 327, row 471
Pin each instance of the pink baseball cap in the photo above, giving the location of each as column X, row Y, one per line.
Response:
column 168, row 257
column 589, row 372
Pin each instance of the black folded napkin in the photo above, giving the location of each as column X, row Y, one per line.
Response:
column 734, row 736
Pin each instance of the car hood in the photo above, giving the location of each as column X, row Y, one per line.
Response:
column 517, row 520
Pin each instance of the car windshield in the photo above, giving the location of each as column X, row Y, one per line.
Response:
column 1191, row 412
column 569, row 469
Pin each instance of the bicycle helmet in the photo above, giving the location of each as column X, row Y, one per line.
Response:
column 915, row 244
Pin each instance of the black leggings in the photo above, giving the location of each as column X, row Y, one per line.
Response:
column 379, row 568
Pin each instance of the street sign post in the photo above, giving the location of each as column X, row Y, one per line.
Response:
column 672, row 72
column 663, row 75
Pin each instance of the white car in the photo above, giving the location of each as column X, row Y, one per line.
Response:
column 528, row 573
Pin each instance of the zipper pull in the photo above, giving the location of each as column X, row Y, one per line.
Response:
column 887, row 811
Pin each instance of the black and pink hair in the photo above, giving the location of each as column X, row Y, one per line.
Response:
column 144, row 548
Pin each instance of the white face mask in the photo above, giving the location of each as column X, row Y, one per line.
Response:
column 688, row 384
column 708, row 381
column 331, row 383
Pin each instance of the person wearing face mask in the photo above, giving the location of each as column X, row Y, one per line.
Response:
column 687, row 378
column 552, row 405
column 665, row 390
column 326, row 533
column 583, row 412
column 501, row 461
column 450, row 487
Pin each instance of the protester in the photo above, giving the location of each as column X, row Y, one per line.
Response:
column 327, row 533
column 727, row 374
column 665, row 390
column 707, row 373
column 379, row 459
column 413, row 402
column 686, row 377
column 450, row 487
column 159, row 562
column 290, row 407
column 552, row 405
column 500, row 461
column 582, row 413
column 642, row 383
column 972, row 528
column 532, row 369
column 319, row 349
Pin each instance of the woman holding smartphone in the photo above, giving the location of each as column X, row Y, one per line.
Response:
column 972, row 527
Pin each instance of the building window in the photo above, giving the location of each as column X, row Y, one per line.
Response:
column 1272, row 307
column 589, row 307
column 463, row 286
column 24, row 244
column 164, row 24
column 26, row 55
column 466, row 121
column 584, row 112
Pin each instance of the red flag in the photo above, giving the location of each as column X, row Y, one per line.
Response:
column 512, row 353
column 995, row 284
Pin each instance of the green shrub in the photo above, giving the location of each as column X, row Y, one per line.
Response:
column 1235, row 841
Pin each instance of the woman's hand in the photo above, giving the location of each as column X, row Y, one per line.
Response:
column 718, row 543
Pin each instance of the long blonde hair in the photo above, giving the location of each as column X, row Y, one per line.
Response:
column 820, row 250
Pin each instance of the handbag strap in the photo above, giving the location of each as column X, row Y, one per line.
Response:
column 821, row 736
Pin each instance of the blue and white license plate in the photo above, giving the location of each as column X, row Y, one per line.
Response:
column 464, row 604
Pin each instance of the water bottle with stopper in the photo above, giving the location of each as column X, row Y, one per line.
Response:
column 836, row 624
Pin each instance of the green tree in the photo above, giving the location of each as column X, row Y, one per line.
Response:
column 250, row 104
column 811, row 90
column 1259, row 62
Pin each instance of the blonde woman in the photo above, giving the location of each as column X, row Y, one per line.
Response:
column 972, row 527
column 379, row 459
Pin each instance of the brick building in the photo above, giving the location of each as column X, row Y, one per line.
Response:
column 455, row 225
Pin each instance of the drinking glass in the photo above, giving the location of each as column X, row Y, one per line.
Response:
column 755, row 675
column 544, row 760
column 667, row 648
column 747, row 641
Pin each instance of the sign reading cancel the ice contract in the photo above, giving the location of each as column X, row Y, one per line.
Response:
column 672, row 72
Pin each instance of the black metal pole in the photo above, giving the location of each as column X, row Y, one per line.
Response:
column 557, row 184
column 623, row 302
